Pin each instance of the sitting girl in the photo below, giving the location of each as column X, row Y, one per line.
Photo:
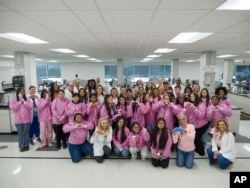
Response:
column 161, row 142
column 101, row 140
column 223, row 146
column 120, row 137
column 77, row 142
column 138, row 141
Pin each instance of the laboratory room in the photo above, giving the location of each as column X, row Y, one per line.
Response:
column 124, row 93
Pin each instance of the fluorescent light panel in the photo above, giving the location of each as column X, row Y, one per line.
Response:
column 81, row 56
column 52, row 61
column 92, row 59
column 153, row 56
column 223, row 56
column 20, row 37
column 63, row 50
column 248, row 52
column 190, row 37
column 8, row 56
column 235, row 5
column 148, row 59
column 37, row 59
column 164, row 50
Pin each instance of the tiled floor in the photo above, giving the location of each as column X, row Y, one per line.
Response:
column 54, row 169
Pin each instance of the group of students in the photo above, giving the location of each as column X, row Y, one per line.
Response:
column 150, row 120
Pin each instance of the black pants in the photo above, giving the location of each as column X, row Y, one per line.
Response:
column 163, row 163
column 199, row 147
column 60, row 135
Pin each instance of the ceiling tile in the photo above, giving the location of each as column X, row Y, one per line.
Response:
column 219, row 20
column 241, row 27
column 190, row 4
column 127, row 4
column 92, row 20
column 17, row 23
column 80, row 4
column 34, row 4
column 59, row 21
column 174, row 21
column 127, row 21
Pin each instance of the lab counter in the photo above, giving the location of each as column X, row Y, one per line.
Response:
column 242, row 101
column 6, row 120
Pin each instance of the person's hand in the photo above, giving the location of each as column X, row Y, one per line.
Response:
column 20, row 96
column 216, row 153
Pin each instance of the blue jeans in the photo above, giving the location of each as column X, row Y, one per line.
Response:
column 23, row 134
column 185, row 158
column 205, row 137
column 35, row 128
column 223, row 162
column 76, row 151
column 124, row 152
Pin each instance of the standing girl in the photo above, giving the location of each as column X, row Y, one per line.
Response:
column 137, row 111
column 160, row 142
column 22, row 117
column 101, row 140
column 108, row 110
column 121, row 137
column 45, row 118
column 59, row 118
column 83, row 96
column 75, row 107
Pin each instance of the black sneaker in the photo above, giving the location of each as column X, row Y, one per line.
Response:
column 64, row 146
column 21, row 149
column 32, row 143
column 27, row 148
column 38, row 139
column 106, row 150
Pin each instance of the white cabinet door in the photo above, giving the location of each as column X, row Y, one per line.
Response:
column 5, row 121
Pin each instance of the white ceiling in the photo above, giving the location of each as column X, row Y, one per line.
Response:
column 129, row 29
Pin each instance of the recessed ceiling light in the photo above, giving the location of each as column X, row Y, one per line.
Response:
column 154, row 56
column 223, row 56
column 63, row 50
column 81, row 56
column 8, row 56
column 148, row 59
column 37, row 59
column 189, row 37
column 248, row 52
column 20, row 37
column 235, row 5
column 99, row 61
column 191, row 60
column 52, row 61
column 164, row 50
column 92, row 59
column 238, row 60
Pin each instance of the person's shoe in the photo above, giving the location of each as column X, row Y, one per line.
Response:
column 21, row 149
column 106, row 150
column 27, row 148
column 230, row 166
column 38, row 139
column 58, row 146
column 64, row 146
column 32, row 143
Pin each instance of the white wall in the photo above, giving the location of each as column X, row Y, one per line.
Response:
column 5, row 71
column 85, row 71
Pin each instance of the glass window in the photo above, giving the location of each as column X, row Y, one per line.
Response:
column 135, row 72
column 110, row 72
column 242, row 72
column 54, row 71
column 41, row 71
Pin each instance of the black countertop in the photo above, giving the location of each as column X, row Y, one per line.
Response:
column 4, row 106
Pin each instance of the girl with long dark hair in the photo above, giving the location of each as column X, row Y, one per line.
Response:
column 160, row 142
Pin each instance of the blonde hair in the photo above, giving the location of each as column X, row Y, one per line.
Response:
column 216, row 127
column 100, row 122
